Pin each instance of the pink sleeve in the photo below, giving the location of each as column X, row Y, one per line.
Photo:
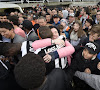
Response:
column 66, row 51
column 20, row 32
column 41, row 43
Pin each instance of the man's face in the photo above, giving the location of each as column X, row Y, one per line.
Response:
column 48, row 18
column 98, row 16
column 3, row 19
column 56, row 20
column 21, row 20
column 93, row 36
column 82, row 12
column 71, row 11
column 54, row 12
column 5, row 32
column 42, row 22
column 87, row 55
column 71, row 19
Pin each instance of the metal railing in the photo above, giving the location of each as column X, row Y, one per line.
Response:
column 12, row 1
column 33, row 1
column 42, row 1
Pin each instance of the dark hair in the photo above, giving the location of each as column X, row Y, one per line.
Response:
column 47, row 14
column 30, row 71
column 95, row 29
column 90, row 21
column 9, row 49
column 60, row 27
column 27, row 24
column 45, row 32
column 55, row 28
column 13, row 19
column 6, row 25
column 2, row 14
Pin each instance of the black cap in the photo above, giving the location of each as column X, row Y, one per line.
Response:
column 56, row 16
column 92, row 47
column 35, row 17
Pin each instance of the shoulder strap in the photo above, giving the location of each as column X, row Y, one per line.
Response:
column 28, row 46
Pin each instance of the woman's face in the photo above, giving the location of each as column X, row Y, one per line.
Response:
column 76, row 27
column 55, row 33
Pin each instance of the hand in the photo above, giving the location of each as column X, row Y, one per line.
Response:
column 59, row 42
column 47, row 58
column 98, row 66
column 88, row 71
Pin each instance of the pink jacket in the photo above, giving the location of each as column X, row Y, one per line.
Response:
column 20, row 32
column 63, row 52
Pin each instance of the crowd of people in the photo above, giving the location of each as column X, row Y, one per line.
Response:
column 50, row 48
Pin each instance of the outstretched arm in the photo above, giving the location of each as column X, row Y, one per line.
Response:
column 91, row 79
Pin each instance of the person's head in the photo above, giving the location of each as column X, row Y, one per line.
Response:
column 95, row 32
column 83, row 11
column 16, row 13
column 12, row 14
column 77, row 27
column 55, row 32
column 6, row 29
column 54, row 12
column 60, row 27
column 42, row 21
column 60, row 13
column 63, row 22
column 30, row 71
column 29, row 17
column 71, row 17
column 35, row 18
column 13, row 19
column 43, row 13
column 27, row 25
column 56, row 19
column 98, row 15
column 48, row 17
column 20, row 14
column 9, row 49
column 71, row 10
column 48, row 11
column 45, row 32
column 3, row 17
column 91, row 49
column 20, row 20
column 88, row 22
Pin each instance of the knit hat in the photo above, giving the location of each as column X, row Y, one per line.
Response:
column 64, row 20
column 90, row 21
column 92, row 47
